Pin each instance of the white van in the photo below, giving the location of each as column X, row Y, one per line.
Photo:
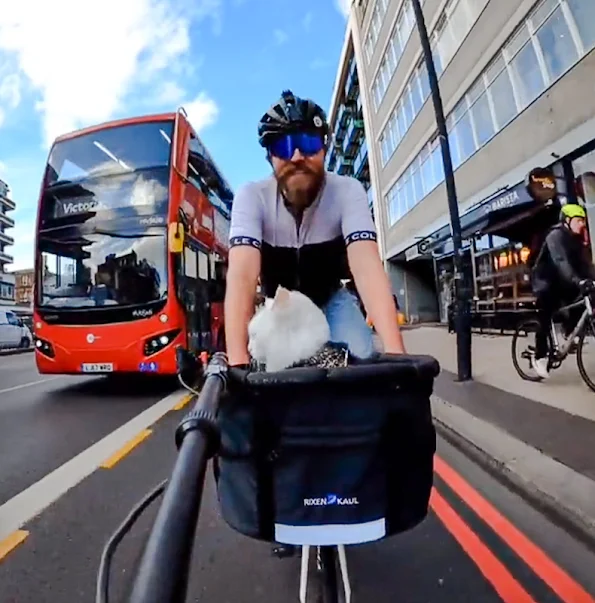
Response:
column 13, row 332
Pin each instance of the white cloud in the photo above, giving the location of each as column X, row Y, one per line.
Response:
column 343, row 6
column 169, row 93
column 307, row 20
column 10, row 90
column 280, row 36
column 202, row 111
column 319, row 64
column 82, row 59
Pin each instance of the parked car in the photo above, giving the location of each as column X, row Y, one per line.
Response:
column 13, row 331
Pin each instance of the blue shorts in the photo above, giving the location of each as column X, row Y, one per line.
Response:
column 348, row 324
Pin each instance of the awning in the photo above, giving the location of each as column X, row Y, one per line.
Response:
column 501, row 207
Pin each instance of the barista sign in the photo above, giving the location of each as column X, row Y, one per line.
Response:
column 541, row 184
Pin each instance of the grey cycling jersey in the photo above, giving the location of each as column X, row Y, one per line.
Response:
column 310, row 257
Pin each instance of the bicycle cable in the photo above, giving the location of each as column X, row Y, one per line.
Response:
column 102, row 590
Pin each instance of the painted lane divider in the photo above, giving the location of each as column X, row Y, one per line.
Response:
column 12, row 542
column 126, row 449
column 555, row 577
column 29, row 503
column 493, row 570
column 183, row 402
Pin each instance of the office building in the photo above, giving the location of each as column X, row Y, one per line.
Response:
column 348, row 151
column 516, row 83
column 7, row 281
column 24, row 286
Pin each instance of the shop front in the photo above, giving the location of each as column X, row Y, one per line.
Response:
column 501, row 236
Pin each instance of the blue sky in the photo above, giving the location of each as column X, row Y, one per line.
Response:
column 65, row 64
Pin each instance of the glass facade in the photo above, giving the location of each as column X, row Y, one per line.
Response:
column 551, row 40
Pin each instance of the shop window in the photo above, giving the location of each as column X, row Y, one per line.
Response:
column 559, row 50
column 583, row 12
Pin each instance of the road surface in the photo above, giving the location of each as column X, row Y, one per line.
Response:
column 480, row 542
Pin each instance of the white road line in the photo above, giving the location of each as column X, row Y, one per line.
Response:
column 33, row 500
column 31, row 383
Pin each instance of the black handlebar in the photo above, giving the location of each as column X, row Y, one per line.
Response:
column 162, row 576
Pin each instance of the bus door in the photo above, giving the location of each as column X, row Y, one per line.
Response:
column 193, row 293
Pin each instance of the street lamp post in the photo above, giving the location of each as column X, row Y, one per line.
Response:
column 462, row 291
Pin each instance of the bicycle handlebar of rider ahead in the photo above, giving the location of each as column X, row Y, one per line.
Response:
column 162, row 576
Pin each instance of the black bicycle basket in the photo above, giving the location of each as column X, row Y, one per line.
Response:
column 328, row 456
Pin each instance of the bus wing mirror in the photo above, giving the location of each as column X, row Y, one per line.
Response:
column 176, row 237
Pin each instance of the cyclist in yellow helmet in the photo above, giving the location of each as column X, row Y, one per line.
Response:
column 561, row 272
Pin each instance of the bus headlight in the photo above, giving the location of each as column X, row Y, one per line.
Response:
column 44, row 347
column 158, row 342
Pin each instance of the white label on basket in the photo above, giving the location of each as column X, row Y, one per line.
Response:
column 331, row 499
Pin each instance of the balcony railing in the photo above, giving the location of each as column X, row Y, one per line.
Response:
column 8, row 279
column 8, row 202
column 361, row 166
column 7, row 259
column 345, row 166
column 4, row 238
column 352, row 83
column 6, row 220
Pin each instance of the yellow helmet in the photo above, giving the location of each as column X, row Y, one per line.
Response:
column 573, row 210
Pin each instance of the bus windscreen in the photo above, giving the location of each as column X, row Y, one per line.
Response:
column 103, row 217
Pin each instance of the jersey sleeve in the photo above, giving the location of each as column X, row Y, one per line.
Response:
column 356, row 220
column 246, row 218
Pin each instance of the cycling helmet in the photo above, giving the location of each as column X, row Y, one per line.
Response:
column 291, row 114
column 572, row 210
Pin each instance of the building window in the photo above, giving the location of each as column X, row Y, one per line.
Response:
column 374, row 29
column 555, row 35
column 559, row 49
column 583, row 13
column 456, row 22
column 501, row 93
column 398, row 39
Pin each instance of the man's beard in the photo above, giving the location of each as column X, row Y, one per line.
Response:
column 304, row 194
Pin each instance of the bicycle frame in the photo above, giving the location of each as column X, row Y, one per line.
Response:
column 562, row 350
column 305, row 566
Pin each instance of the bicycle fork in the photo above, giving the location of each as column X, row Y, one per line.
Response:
column 305, row 564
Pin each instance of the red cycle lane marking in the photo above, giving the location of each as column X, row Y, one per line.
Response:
column 555, row 577
column 494, row 571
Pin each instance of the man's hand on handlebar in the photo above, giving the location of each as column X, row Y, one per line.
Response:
column 586, row 286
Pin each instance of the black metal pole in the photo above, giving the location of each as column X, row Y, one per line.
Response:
column 462, row 291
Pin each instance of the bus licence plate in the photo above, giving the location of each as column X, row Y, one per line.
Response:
column 104, row 367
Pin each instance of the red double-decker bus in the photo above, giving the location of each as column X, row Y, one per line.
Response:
column 131, row 248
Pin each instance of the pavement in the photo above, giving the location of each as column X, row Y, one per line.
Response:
column 537, row 436
column 78, row 453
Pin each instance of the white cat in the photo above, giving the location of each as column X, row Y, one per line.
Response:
column 289, row 328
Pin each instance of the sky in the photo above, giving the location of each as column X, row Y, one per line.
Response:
column 66, row 64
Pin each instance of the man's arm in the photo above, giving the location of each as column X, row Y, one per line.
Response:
column 242, row 278
column 376, row 293
column 368, row 272
column 245, row 239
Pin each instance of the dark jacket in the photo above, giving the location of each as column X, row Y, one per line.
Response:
column 561, row 264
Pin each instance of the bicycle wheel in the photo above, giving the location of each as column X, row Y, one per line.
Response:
column 585, row 354
column 327, row 564
column 523, row 348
